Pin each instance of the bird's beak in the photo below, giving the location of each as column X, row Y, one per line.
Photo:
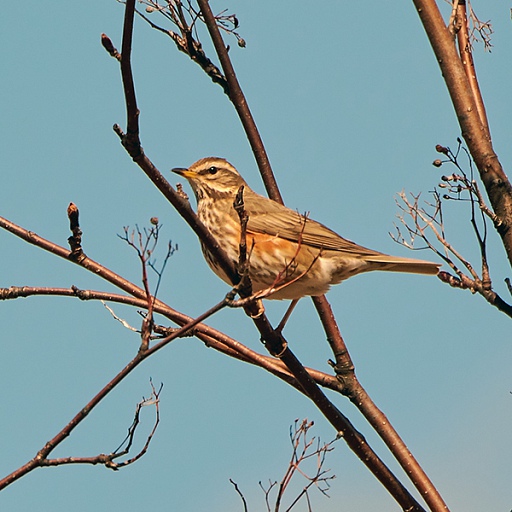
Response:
column 186, row 173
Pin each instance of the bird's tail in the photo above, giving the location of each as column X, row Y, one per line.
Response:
column 398, row 264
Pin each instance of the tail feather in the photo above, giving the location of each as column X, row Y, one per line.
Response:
column 398, row 264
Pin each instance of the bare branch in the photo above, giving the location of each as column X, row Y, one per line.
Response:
column 41, row 458
column 474, row 132
column 237, row 489
column 131, row 143
column 108, row 460
column 145, row 247
column 240, row 103
column 423, row 220
column 465, row 51
column 274, row 341
column 184, row 17
column 154, row 399
column 303, row 449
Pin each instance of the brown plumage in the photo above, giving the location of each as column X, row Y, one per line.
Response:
column 284, row 245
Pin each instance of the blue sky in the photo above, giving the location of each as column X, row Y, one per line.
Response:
column 350, row 104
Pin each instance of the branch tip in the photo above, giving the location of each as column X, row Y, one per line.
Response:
column 106, row 42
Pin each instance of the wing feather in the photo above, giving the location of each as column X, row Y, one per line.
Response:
column 267, row 216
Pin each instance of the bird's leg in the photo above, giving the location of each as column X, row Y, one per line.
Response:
column 291, row 307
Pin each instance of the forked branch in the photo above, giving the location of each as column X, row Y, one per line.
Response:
column 110, row 460
column 305, row 450
column 274, row 340
column 474, row 131
column 419, row 221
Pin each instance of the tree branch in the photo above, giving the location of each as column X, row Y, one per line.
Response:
column 239, row 101
column 274, row 341
column 474, row 132
column 466, row 56
column 210, row 336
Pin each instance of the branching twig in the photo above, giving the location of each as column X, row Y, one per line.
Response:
column 154, row 399
column 145, row 246
column 274, row 341
column 483, row 28
column 496, row 183
column 109, row 460
column 459, row 186
column 144, row 251
column 41, row 457
column 303, row 449
column 184, row 17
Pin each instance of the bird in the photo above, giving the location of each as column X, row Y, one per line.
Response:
column 290, row 256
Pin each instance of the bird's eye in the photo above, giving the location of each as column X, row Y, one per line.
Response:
column 212, row 170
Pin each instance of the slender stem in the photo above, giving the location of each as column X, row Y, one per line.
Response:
column 360, row 398
column 274, row 341
column 239, row 101
column 132, row 112
column 356, row 442
column 474, row 132
column 40, row 458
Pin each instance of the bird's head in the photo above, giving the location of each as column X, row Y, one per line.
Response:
column 212, row 177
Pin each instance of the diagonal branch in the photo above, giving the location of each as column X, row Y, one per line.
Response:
column 41, row 458
column 131, row 143
column 210, row 336
column 466, row 56
column 274, row 340
column 338, row 346
column 354, row 390
column 239, row 101
column 473, row 130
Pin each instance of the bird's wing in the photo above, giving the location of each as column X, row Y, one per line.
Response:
column 267, row 216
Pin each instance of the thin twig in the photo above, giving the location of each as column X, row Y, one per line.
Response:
column 240, row 103
column 423, row 220
column 274, row 341
column 237, row 489
column 491, row 172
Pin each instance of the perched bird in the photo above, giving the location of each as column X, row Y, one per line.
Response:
column 290, row 255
